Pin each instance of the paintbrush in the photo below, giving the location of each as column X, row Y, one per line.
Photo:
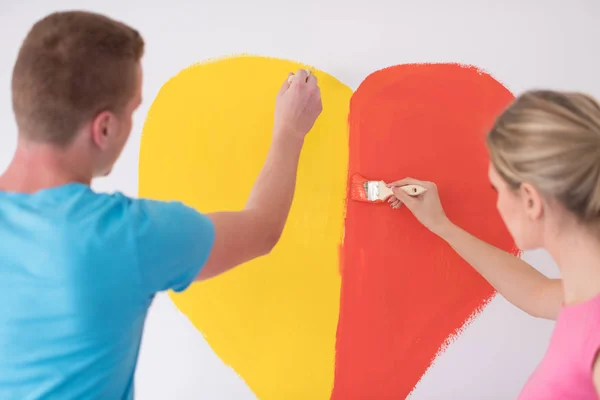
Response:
column 362, row 189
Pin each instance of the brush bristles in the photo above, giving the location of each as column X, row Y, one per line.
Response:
column 372, row 188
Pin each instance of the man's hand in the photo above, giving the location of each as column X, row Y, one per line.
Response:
column 298, row 105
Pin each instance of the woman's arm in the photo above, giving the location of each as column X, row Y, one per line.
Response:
column 517, row 281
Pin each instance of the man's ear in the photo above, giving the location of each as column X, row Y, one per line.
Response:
column 103, row 129
column 532, row 201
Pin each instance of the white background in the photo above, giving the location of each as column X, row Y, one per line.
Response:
column 523, row 43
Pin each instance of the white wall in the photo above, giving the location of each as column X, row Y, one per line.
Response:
column 523, row 43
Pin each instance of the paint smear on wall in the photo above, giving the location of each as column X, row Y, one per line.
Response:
column 404, row 291
column 206, row 137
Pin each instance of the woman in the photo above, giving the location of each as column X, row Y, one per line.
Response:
column 545, row 165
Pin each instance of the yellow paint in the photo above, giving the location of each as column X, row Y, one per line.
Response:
column 274, row 319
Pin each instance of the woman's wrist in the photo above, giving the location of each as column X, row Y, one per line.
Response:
column 444, row 229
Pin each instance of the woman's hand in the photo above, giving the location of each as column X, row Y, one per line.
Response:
column 427, row 207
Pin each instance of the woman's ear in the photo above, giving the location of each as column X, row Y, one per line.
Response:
column 532, row 201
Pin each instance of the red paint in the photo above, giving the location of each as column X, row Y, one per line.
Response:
column 357, row 188
column 405, row 291
column 358, row 192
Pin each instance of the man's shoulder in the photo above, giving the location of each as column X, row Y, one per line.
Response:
column 141, row 210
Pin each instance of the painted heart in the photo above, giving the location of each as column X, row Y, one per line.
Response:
column 313, row 319
column 405, row 291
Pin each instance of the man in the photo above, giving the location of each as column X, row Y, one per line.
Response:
column 79, row 269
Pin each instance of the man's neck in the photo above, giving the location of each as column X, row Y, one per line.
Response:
column 35, row 167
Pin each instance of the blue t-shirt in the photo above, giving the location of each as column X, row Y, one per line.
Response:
column 78, row 271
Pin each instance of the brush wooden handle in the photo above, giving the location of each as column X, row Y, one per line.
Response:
column 411, row 190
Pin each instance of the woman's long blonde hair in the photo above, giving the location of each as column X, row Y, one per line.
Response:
column 551, row 140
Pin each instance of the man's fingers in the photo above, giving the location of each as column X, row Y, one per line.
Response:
column 300, row 76
column 286, row 84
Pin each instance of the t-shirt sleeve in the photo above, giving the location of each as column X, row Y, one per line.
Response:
column 173, row 243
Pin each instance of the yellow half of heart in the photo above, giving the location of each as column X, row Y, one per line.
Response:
column 205, row 139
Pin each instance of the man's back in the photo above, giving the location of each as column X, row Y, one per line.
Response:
column 78, row 271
